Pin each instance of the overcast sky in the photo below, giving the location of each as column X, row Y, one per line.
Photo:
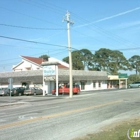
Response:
column 113, row 24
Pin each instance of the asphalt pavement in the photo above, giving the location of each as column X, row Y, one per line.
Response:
column 64, row 118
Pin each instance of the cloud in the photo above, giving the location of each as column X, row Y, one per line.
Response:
column 110, row 17
column 129, row 24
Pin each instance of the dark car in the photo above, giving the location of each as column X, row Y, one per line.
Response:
column 17, row 91
column 4, row 91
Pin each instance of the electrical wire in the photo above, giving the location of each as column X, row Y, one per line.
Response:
column 30, row 16
column 56, row 44
column 32, row 28
column 42, row 53
column 35, row 42
column 105, row 32
column 44, row 6
column 99, row 29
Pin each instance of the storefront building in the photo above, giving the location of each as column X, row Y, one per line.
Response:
column 88, row 80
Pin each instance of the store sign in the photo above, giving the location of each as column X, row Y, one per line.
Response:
column 123, row 75
column 49, row 70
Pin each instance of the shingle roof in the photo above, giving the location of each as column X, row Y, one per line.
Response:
column 34, row 59
column 37, row 75
column 39, row 61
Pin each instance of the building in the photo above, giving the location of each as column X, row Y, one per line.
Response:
column 29, row 73
column 34, row 63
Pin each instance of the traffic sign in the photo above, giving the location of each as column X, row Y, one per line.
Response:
column 10, row 81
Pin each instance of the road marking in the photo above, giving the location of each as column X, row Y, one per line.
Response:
column 27, row 116
column 58, row 115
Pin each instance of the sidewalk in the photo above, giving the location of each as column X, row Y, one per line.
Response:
column 26, row 99
column 11, row 104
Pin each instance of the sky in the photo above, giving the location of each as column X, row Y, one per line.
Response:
column 37, row 27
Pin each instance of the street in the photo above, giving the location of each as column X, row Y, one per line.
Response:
column 64, row 118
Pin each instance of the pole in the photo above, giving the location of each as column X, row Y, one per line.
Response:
column 43, row 82
column 56, row 77
column 70, row 56
column 126, row 83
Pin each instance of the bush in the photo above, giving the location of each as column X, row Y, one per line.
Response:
column 133, row 78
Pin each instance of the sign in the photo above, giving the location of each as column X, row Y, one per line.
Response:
column 10, row 81
column 123, row 75
column 49, row 70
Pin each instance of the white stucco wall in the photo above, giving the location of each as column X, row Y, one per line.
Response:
column 89, row 85
column 50, row 85
column 25, row 65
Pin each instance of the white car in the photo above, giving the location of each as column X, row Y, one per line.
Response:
column 134, row 85
column 33, row 91
column 4, row 91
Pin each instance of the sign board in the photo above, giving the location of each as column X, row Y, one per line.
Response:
column 10, row 81
column 123, row 75
column 49, row 70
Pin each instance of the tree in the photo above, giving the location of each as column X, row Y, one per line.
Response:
column 135, row 63
column 45, row 57
column 133, row 78
column 76, row 60
column 86, row 57
column 118, row 62
column 110, row 60
column 101, row 59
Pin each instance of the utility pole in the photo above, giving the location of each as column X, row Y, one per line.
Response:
column 67, row 19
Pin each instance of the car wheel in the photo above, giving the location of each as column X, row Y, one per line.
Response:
column 78, row 92
column 34, row 93
column 19, row 94
column 139, row 86
column 129, row 86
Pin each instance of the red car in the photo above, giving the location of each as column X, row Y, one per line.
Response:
column 65, row 89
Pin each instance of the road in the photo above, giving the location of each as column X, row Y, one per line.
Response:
column 63, row 118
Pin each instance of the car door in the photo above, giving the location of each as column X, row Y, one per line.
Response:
column 37, row 90
column 137, row 84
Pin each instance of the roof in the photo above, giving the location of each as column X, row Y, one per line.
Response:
column 38, row 61
column 37, row 75
column 34, row 59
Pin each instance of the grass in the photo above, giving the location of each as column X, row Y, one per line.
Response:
column 116, row 131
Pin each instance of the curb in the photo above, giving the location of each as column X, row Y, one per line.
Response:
column 12, row 104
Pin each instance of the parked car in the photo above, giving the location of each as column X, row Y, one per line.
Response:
column 33, row 91
column 17, row 91
column 134, row 85
column 65, row 89
column 4, row 91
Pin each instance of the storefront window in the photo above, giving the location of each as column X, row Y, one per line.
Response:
column 82, row 85
column 94, row 84
column 99, row 84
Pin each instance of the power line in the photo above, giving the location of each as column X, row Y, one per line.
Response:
column 29, row 41
column 16, row 26
column 44, row 6
column 103, row 31
column 29, row 16
column 51, row 22
column 99, row 29
column 35, row 42
column 53, row 52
